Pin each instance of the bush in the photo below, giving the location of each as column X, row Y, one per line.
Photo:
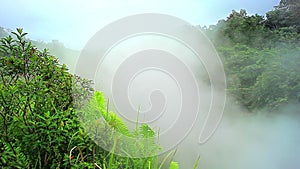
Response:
column 39, row 123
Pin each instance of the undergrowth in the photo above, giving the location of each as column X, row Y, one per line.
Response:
column 43, row 126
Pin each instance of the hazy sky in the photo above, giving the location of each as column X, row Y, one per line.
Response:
column 73, row 22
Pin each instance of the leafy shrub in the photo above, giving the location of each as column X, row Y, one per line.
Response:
column 110, row 130
column 38, row 123
column 39, row 120
column 263, row 79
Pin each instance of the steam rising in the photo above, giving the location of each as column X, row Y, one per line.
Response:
column 259, row 140
column 262, row 140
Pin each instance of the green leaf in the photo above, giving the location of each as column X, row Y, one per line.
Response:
column 174, row 165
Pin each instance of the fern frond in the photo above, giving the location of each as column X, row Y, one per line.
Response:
column 101, row 103
column 146, row 131
column 174, row 165
column 117, row 123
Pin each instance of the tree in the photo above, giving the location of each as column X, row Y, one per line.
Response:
column 40, row 102
column 240, row 28
column 261, row 63
column 286, row 14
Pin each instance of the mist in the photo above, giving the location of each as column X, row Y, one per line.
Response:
column 144, row 84
column 243, row 140
column 260, row 140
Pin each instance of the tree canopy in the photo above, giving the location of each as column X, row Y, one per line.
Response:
column 262, row 55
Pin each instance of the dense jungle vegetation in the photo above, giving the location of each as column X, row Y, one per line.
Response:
column 38, row 117
column 261, row 55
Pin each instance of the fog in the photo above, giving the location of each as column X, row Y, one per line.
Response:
column 243, row 140
column 74, row 22
column 260, row 140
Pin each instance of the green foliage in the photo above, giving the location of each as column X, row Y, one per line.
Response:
column 239, row 28
column 38, row 123
column 174, row 165
column 196, row 163
column 39, row 120
column 40, row 99
column 285, row 15
column 110, row 131
column 261, row 62
column 264, row 78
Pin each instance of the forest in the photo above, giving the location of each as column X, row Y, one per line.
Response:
column 40, row 96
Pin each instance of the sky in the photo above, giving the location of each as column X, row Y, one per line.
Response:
column 74, row 22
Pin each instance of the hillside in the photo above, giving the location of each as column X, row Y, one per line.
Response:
column 65, row 55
